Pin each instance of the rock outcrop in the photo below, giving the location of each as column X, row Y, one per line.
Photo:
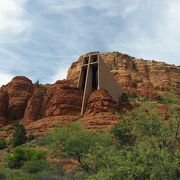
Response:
column 137, row 76
column 3, row 107
column 21, row 99
column 101, row 101
column 18, row 92
column 62, row 99
column 53, row 100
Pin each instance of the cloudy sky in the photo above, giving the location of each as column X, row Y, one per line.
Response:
column 41, row 38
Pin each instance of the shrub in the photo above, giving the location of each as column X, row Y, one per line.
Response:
column 30, row 137
column 149, row 157
column 19, row 136
column 2, row 144
column 125, row 97
column 169, row 97
column 21, row 155
column 123, row 133
column 74, row 142
column 36, row 166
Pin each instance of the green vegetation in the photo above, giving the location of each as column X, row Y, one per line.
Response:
column 36, row 166
column 25, row 163
column 143, row 145
column 123, row 133
column 19, row 136
column 22, row 154
column 31, row 137
column 75, row 142
column 170, row 97
column 2, row 144
column 126, row 97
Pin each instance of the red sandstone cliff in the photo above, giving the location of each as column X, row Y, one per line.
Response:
column 22, row 100
column 138, row 76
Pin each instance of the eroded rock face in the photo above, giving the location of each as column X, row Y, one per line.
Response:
column 100, row 101
column 3, row 103
column 34, row 107
column 3, row 107
column 20, row 99
column 61, row 99
column 19, row 91
column 138, row 76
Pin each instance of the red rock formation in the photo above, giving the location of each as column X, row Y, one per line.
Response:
column 3, row 107
column 101, row 101
column 53, row 100
column 40, row 127
column 62, row 99
column 34, row 107
column 20, row 99
column 19, row 91
column 144, row 78
column 100, row 121
column 3, row 104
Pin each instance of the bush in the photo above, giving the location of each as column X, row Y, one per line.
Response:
column 170, row 97
column 21, row 155
column 123, row 133
column 74, row 142
column 143, row 146
column 19, row 136
column 2, row 144
column 31, row 137
column 153, row 155
column 36, row 166
column 125, row 97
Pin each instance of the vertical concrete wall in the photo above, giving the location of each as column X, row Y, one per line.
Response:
column 87, row 89
column 107, row 81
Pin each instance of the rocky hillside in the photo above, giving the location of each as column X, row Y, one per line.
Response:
column 137, row 76
column 22, row 100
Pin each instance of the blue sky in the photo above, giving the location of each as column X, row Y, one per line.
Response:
column 41, row 38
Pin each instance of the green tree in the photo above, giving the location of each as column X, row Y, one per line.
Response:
column 74, row 142
column 143, row 145
column 19, row 135
column 123, row 133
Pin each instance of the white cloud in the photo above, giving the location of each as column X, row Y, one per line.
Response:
column 152, row 31
column 109, row 7
column 60, row 74
column 63, row 67
column 5, row 78
column 10, row 60
column 13, row 24
column 12, row 18
column 37, row 43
